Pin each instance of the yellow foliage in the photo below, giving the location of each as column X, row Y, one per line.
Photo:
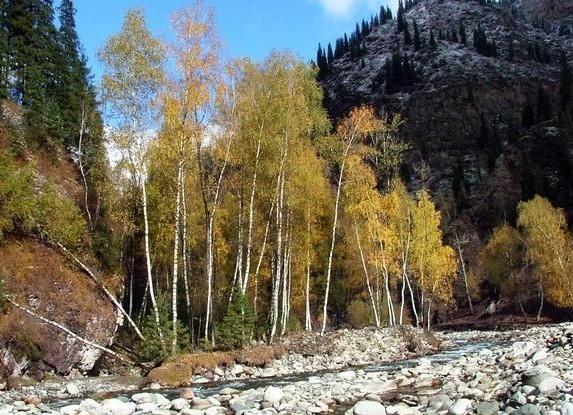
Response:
column 549, row 247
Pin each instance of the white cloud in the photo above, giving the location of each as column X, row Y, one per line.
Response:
column 346, row 8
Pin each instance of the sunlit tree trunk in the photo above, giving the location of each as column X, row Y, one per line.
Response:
column 333, row 241
column 261, row 256
column 463, row 269
column 176, row 236
column 185, row 252
column 366, row 274
column 238, row 274
column 81, row 162
column 277, row 279
column 307, row 320
column 245, row 281
column 148, row 261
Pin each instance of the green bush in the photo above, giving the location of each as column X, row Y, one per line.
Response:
column 25, row 209
column 294, row 325
column 151, row 349
column 17, row 201
column 237, row 325
column 359, row 314
column 60, row 218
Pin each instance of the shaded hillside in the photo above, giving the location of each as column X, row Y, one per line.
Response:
column 41, row 204
column 481, row 89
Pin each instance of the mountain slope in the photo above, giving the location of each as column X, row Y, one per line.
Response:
column 485, row 116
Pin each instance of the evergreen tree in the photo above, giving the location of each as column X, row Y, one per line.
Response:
column 566, row 81
column 72, row 74
column 407, row 36
column 471, row 98
column 463, row 37
column 460, row 186
column 484, row 131
column 329, row 56
column 417, row 40
column 400, row 17
column 528, row 115
column 321, row 60
column 544, row 111
column 433, row 44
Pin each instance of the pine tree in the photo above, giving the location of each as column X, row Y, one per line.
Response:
column 528, row 115
column 566, row 84
column 407, row 36
column 72, row 74
column 463, row 37
column 417, row 40
column 329, row 56
column 433, row 44
column 400, row 17
column 544, row 110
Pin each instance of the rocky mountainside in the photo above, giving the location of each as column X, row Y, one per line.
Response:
column 480, row 86
column 47, row 284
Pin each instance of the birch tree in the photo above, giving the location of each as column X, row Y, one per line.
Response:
column 351, row 131
column 133, row 74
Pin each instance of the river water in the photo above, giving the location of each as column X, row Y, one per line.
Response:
column 460, row 348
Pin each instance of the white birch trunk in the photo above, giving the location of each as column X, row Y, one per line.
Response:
column 332, row 242
column 81, row 163
column 365, row 269
column 148, row 262
column 307, row 320
column 245, row 282
column 463, row 268
column 176, row 236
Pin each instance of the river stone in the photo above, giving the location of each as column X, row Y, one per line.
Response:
column 269, row 373
column 140, row 398
column 518, row 398
column 68, row 410
column 228, row 391
column 189, row 411
column 550, row 384
column 72, row 389
column 349, row 375
column 439, row 402
column 380, row 387
column 239, row 407
column 147, row 406
column 369, row 408
column 567, row 408
column 179, row 404
column 200, row 403
column 487, row 408
column 187, row 394
column 460, row 407
column 528, row 409
column 539, row 356
column 118, row 406
column 273, row 394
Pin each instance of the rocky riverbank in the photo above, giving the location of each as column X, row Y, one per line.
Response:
column 526, row 372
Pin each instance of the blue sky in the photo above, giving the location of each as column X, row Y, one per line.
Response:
column 250, row 28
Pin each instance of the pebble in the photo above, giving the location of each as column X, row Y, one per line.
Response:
column 520, row 374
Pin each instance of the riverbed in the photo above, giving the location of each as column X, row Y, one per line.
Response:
column 527, row 372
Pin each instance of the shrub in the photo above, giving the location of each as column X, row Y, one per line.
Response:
column 237, row 325
column 359, row 314
column 59, row 218
column 17, row 202
column 151, row 349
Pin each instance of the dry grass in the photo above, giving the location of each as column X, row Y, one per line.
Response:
column 178, row 370
column 42, row 279
column 259, row 356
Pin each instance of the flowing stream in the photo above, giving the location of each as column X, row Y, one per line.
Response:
column 450, row 355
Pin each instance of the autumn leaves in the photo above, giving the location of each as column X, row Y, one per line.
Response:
column 230, row 182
